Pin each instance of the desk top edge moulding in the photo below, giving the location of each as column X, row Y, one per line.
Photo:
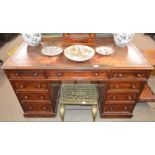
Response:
column 36, row 78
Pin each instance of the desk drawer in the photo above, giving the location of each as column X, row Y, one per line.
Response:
column 130, row 74
column 37, row 106
column 76, row 74
column 25, row 74
column 30, row 85
column 118, row 108
column 25, row 96
column 123, row 96
column 126, row 85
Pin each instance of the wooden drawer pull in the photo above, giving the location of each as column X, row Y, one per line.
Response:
column 30, row 108
column 139, row 75
column 59, row 74
column 96, row 74
column 111, row 108
column 44, row 108
column 125, row 108
column 35, row 74
column 38, row 85
column 26, row 97
column 41, row 97
column 113, row 97
column 116, row 86
column 120, row 75
column 133, row 86
column 129, row 97
column 16, row 74
column 21, row 86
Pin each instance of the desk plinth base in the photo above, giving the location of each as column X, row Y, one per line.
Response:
column 116, row 115
column 31, row 114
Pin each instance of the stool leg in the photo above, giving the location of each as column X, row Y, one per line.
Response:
column 94, row 112
column 62, row 112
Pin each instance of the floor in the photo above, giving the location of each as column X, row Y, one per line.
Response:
column 10, row 109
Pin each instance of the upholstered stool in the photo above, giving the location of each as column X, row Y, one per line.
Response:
column 78, row 94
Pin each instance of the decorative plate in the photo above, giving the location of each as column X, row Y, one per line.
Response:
column 79, row 52
column 51, row 50
column 104, row 50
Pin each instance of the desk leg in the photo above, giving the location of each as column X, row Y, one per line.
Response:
column 62, row 112
column 94, row 112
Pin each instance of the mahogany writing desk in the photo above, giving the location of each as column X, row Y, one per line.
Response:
column 36, row 79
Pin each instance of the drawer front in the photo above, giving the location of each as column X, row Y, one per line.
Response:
column 130, row 74
column 121, row 96
column 29, row 85
column 118, row 108
column 37, row 106
column 76, row 74
column 125, row 85
column 25, row 74
column 33, row 96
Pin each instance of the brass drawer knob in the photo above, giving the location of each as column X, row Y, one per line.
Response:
column 120, row 75
column 125, row 108
column 96, row 74
column 21, row 86
column 129, row 97
column 133, row 86
column 113, row 97
column 139, row 75
column 44, row 108
column 26, row 97
column 59, row 74
column 30, row 108
column 35, row 74
column 41, row 97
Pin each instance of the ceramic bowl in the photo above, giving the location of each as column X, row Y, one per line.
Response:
column 32, row 39
column 122, row 39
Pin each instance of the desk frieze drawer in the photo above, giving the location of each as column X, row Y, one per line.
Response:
column 25, row 96
column 30, row 85
column 119, row 108
column 130, row 74
column 121, row 96
column 76, row 74
column 39, row 106
column 25, row 74
column 125, row 85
